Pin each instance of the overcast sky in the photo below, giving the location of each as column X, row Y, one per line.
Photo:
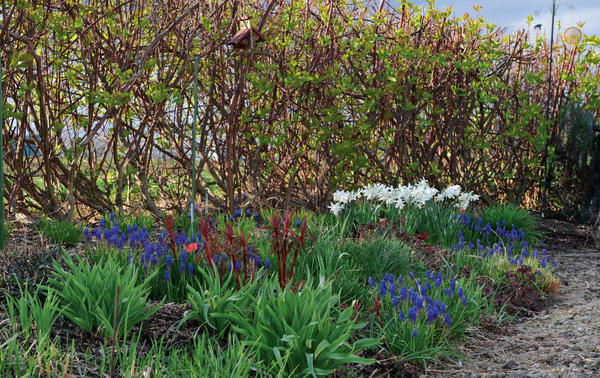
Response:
column 512, row 14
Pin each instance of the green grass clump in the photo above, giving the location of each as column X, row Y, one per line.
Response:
column 437, row 219
column 88, row 295
column 209, row 359
column 64, row 232
column 205, row 357
column 513, row 215
column 301, row 333
column 218, row 295
column 362, row 259
column 381, row 255
column 31, row 314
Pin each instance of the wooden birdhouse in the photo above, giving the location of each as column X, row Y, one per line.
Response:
column 246, row 38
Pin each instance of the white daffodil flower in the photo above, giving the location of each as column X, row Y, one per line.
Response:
column 336, row 208
column 450, row 192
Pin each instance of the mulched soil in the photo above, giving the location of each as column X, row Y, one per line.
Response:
column 561, row 340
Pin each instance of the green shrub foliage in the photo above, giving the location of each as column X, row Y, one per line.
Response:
column 338, row 94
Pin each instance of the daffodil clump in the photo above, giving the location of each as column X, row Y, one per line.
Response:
column 417, row 195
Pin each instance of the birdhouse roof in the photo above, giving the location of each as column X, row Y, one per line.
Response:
column 241, row 38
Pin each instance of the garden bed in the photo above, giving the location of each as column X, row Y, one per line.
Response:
column 395, row 290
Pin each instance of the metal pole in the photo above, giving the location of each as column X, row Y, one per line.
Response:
column 1, row 164
column 545, row 190
column 193, row 199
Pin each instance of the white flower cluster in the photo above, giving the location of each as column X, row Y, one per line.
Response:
column 450, row 192
column 464, row 199
column 417, row 195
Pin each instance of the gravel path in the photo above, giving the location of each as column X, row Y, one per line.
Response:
column 563, row 340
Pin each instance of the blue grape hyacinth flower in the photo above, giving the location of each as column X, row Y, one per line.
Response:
column 403, row 293
column 448, row 320
column 382, row 288
column 412, row 314
column 371, row 282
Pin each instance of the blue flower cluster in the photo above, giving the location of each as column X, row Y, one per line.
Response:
column 513, row 243
column 182, row 265
column 138, row 239
column 476, row 224
column 237, row 213
column 419, row 298
column 113, row 235
column 135, row 237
